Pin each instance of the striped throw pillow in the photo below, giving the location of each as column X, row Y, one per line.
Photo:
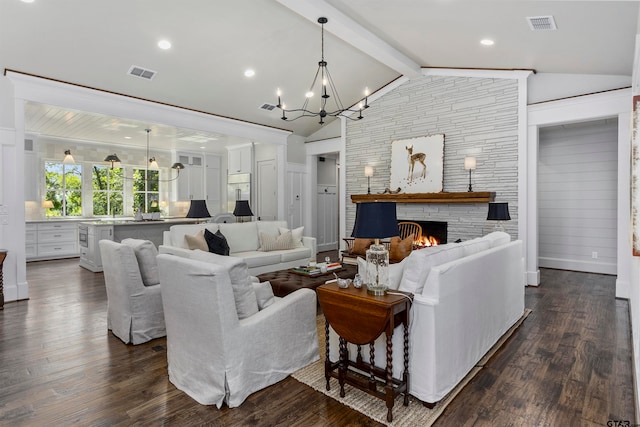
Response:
column 272, row 243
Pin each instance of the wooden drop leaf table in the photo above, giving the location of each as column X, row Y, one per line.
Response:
column 360, row 318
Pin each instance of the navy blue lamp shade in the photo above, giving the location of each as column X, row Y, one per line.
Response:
column 498, row 212
column 242, row 208
column 198, row 209
column 375, row 220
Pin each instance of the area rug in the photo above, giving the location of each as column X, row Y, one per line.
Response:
column 414, row 414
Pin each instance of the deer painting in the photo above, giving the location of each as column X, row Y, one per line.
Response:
column 413, row 158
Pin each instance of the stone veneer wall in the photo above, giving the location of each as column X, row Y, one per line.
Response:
column 478, row 116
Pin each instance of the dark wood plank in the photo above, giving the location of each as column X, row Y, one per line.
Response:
column 568, row 364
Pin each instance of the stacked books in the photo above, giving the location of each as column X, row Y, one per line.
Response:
column 316, row 269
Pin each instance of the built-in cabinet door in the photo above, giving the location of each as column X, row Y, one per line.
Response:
column 190, row 184
column 239, row 160
column 212, row 184
column 266, row 191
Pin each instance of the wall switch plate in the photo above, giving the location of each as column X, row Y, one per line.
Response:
column 594, row 255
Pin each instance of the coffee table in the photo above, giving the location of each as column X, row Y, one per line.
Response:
column 284, row 282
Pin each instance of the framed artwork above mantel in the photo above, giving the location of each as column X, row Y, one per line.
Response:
column 417, row 164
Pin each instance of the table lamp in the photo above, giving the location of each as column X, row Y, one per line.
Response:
column 241, row 210
column 368, row 172
column 198, row 209
column 47, row 204
column 498, row 211
column 376, row 220
column 470, row 164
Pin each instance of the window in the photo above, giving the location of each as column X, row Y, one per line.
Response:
column 63, row 186
column 146, row 192
column 107, row 190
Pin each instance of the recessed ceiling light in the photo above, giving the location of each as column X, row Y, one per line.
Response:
column 164, row 44
column 249, row 73
column 127, row 137
column 487, row 42
column 27, row 1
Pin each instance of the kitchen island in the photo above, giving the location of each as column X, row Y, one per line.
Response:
column 91, row 232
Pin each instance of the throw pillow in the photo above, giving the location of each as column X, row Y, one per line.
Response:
column 297, row 235
column 271, row 243
column 243, row 293
column 400, row 249
column 360, row 246
column 146, row 253
column 197, row 241
column 216, row 243
column 264, row 294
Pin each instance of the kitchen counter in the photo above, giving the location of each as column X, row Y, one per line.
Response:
column 132, row 222
column 91, row 232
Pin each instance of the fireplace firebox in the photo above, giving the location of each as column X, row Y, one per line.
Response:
column 435, row 229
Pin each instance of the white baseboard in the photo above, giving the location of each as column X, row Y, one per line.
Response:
column 577, row 265
column 15, row 292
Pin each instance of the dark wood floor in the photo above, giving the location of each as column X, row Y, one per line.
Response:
column 569, row 364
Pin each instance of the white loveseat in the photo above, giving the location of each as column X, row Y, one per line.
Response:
column 466, row 296
column 244, row 242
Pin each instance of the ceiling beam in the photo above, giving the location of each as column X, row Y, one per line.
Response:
column 355, row 34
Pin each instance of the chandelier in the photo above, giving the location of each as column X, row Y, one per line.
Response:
column 151, row 164
column 323, row 79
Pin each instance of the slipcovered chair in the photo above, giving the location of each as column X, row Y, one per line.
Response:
column 134, row 301
column 215, row 356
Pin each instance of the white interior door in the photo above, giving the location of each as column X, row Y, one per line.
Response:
column 267, row 191
column 295, row 188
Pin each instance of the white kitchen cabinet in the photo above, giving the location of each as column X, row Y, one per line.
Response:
column 239, row 160
column 51, row 240
column 90, row 257
column 190, row 184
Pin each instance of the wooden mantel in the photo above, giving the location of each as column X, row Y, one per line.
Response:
column 466, row 197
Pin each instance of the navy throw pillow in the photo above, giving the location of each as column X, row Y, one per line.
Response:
column 216, row 242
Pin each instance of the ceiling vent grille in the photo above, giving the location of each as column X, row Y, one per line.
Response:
column 267, row 107
column 541, row 23
column 143, row 73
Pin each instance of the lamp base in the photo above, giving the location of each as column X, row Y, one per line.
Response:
column 498, row 226
column 377, row 272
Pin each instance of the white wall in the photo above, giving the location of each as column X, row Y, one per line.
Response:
column 552, row 86
column 479, row 115
column 327, row 171
column 578, row 197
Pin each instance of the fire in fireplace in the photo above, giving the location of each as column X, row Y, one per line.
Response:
column 433, row 232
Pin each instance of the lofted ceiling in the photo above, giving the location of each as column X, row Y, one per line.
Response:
column 368, row 43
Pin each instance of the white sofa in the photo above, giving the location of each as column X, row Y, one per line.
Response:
column 244, row 242
column 466, row 296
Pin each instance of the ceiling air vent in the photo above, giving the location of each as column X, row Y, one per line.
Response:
column 143, row 73
column 267, row 107
column 539, row 23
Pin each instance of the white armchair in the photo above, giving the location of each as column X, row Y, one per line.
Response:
column 134, row 308
column 215, row 357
